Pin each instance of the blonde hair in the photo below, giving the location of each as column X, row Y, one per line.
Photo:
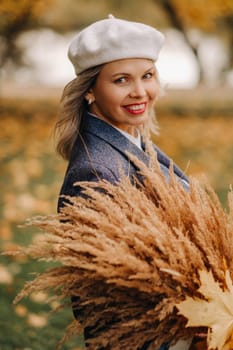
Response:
column 72, row 110
column 74, row 106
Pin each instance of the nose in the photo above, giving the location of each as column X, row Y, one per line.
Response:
column 138, row 90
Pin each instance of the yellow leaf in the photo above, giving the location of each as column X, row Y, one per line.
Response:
column 21, row 310
column 216, row 312
column 37, row 321
column 5, row 275
column 39, row 297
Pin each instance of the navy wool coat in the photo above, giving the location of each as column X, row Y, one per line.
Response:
column 100, row 152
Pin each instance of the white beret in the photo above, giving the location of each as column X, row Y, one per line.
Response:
column 113, row 39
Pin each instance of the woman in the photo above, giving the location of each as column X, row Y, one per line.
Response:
column 107, row 111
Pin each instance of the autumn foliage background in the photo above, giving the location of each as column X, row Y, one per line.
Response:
column 196, row 130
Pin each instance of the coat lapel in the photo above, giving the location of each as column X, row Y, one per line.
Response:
column 113, row 137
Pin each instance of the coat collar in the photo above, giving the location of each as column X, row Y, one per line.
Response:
column 112, row 136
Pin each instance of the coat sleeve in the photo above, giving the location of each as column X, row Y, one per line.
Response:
column 85, row 173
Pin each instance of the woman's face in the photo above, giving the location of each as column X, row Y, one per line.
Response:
column 124, row 93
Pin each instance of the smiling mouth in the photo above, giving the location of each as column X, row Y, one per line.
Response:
column 136, row 108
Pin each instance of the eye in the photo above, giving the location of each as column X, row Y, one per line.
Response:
column 148, row 75
column 120, row 80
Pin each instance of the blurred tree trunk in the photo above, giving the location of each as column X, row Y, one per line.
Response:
column 14, row 20
column 177, row 23
column 227, row 28
column 9, row 49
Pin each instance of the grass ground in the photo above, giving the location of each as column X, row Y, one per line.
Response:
column 196, row 131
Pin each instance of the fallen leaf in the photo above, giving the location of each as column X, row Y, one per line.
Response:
column 5, row 231
column 5, row 275
column 37, row 321
column 39, row 297
column 21, row 310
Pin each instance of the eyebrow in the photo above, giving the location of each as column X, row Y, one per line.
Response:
column 124, row 73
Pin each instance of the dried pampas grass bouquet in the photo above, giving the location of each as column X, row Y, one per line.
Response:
column 147, row 262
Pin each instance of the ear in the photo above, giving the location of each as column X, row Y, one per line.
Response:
column 89, row 97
